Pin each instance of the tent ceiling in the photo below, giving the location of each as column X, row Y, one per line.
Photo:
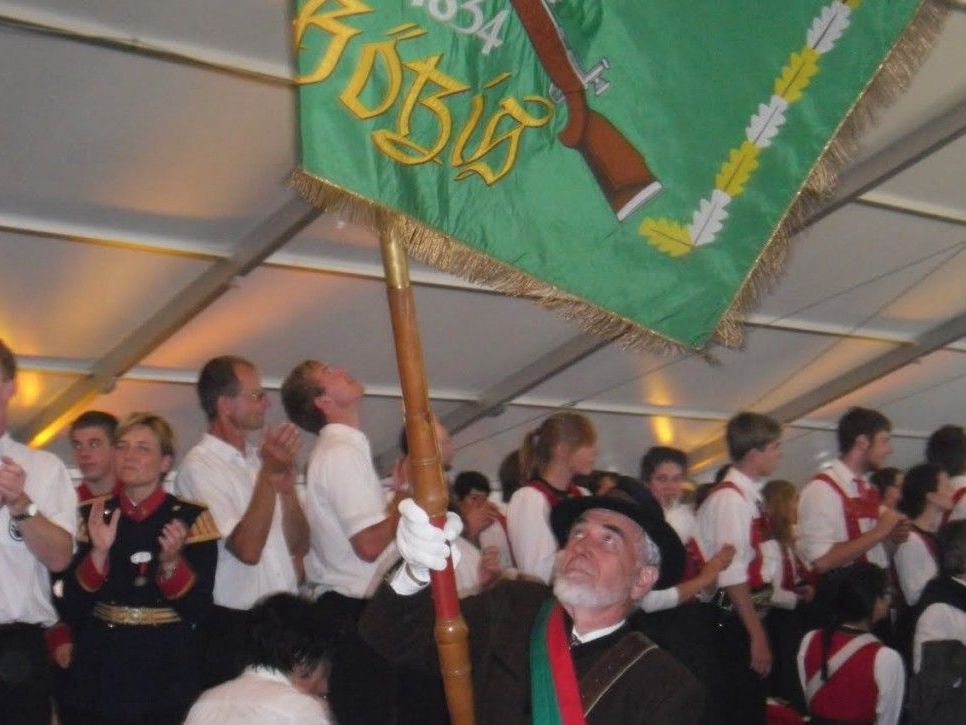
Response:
column 146, row 144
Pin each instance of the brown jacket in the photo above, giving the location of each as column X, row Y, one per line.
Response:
column 655, row 690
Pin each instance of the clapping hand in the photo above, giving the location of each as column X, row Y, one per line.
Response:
column 280, row 448
column 172, row 540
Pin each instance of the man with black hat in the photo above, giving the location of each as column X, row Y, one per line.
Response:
column 542, row 654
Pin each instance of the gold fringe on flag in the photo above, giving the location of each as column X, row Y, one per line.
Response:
column 442, row 251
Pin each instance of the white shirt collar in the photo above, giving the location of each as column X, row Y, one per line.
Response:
column 596, row 633
column 844, row 473
column 749, row 486
column 225, row 450
column 268, row 673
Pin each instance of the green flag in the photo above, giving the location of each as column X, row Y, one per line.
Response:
column 636, row 164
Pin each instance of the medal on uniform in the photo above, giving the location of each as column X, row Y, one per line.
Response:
column 141, row 559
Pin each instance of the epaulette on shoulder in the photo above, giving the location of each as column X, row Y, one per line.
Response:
column 203, row 528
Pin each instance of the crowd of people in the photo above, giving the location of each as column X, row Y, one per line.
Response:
column 232, row 592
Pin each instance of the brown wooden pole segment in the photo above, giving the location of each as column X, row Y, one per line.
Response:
column 429, row 490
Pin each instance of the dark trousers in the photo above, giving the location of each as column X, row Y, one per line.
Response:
column 25, row 677
column 743, row 699
column 362, row 685
column 223, row 639
column 785, row 628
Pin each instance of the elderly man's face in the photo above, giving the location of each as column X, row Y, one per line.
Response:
column 599, row 565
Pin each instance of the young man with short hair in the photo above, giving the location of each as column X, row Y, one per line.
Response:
column 92, row 439
column 839, row 515
column 732, row 514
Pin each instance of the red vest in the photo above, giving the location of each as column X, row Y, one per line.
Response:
column 554, row 496
column 850, row 694
column 863, row 506
column 760, row 532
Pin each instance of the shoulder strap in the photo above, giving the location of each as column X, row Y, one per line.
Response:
column 836, row 661
column 552, row 495
column 611, row 667
column 957, row 497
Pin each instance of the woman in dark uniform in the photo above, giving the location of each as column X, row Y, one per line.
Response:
column 139, row 583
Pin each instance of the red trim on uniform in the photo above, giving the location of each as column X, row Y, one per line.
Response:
column 180, row 581
column 57, row 635
column 89, row 577
column 864, row 506
column 140, row 511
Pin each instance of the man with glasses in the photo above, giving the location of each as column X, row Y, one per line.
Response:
column 250, row 491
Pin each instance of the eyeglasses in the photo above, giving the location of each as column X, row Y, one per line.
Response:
column 256, row 396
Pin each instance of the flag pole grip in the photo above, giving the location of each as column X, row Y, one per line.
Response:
column 429, row 490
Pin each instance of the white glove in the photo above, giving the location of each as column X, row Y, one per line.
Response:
column 422, row 545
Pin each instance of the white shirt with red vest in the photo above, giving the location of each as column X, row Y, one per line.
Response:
column 958, row 512
column 822, row 515
column 727, row 517
column 916, row 563
column 528, row 525
column 866, row 688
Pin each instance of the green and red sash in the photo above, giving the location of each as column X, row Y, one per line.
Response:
column 553, row 682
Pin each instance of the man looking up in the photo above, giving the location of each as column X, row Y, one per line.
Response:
column 38, row 509
column 352, row 530
column 542, row 655
column 250, row 492
column 838, row 511
column 92, row 438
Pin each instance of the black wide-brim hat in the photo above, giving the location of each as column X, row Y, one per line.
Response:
column 649, row 518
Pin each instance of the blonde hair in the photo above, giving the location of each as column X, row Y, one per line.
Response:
column 572, row 429
column 779, row 497
column 153, row 422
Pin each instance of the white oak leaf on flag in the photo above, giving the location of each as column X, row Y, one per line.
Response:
column 709, row 218
column 828, row 27
column 765, row 124
column 670, row 237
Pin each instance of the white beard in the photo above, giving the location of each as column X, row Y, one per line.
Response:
column 585, row 596
column 579, row 594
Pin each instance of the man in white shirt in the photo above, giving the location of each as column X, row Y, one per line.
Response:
column 839, row 516
column 285, row 681
column 38, row 509
column 251, row 495
column 352, row 531
column 732, row 514
column 946, row 448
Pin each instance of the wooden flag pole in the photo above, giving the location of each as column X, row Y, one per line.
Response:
column 429, row 490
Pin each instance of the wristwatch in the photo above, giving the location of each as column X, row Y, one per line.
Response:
column 28, row 513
